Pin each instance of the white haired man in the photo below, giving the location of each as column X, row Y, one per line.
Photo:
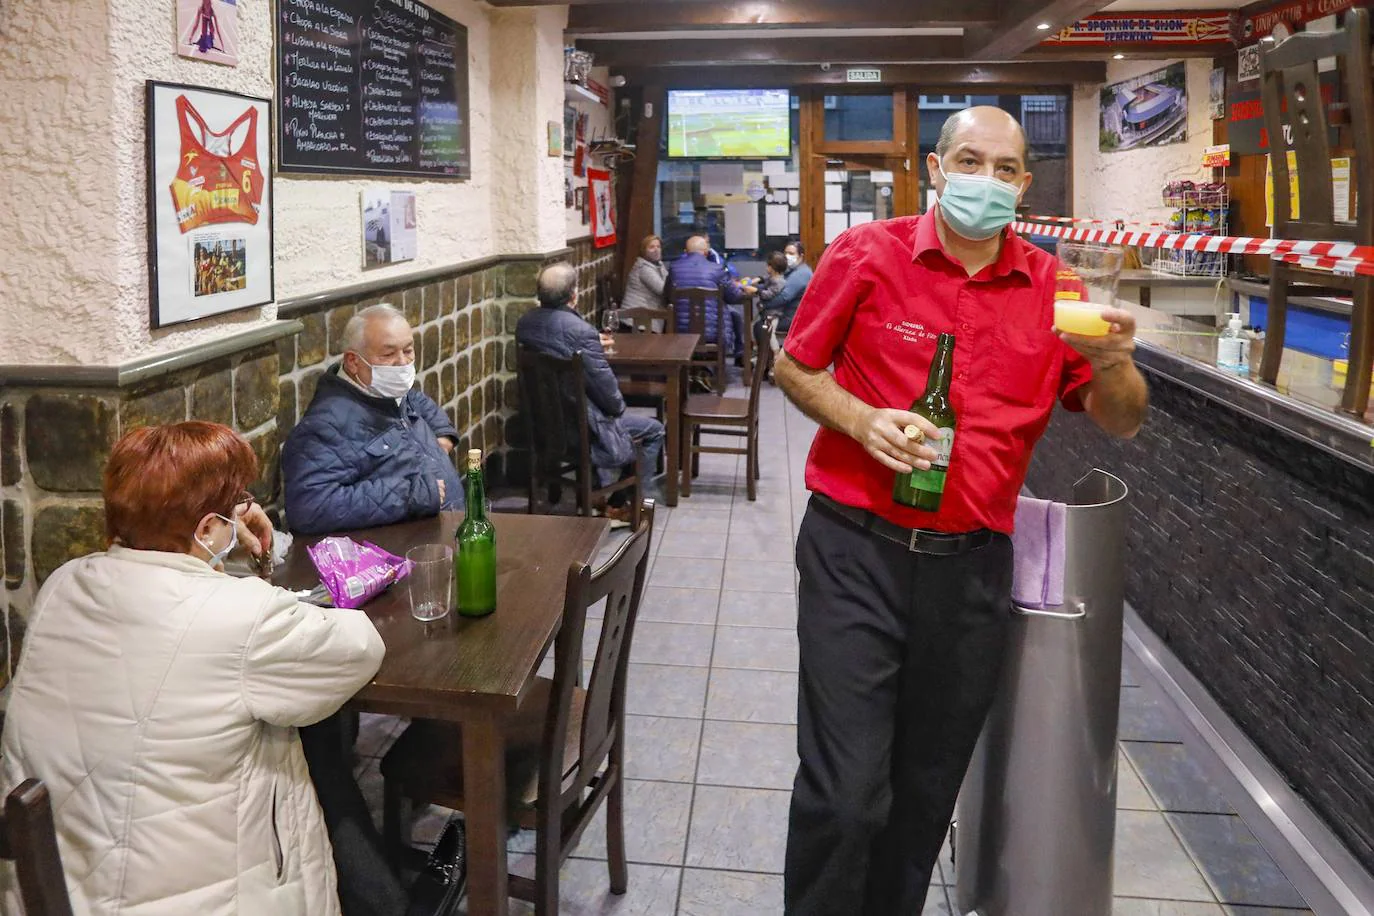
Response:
column 372, row 449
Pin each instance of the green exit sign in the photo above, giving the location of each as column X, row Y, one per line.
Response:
column 864, row 76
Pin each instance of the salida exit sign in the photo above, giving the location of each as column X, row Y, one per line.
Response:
column 856, row 75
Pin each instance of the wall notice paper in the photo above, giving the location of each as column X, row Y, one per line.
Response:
column 1340, row 189
column 722, row 178
column 742, row 225
column 836, row 177
column 785, row 180
column 834, row 197
column 773, row 167
column 858, row 218
column 793, row 223
column 775, row 219
column 835, row 223
column 883, row 177
column 794, row 198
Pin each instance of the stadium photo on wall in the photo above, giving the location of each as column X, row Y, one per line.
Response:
column 729, row 124
column 1147, row 110
column 209, row 202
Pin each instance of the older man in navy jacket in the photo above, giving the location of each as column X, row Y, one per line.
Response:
column 695, row 270
column 371, row 449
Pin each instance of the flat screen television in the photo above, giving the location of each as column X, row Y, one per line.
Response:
column 729, row 124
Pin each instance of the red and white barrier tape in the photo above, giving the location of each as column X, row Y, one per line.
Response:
column 1339, row 257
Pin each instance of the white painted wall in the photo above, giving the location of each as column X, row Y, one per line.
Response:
column 1127, row 185
column 599, row 124
column 73, row 204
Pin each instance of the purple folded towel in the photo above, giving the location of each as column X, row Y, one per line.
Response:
column 1038, row 576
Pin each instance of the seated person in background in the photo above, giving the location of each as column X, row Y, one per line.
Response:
column 557, row 330
column 795, row 281
column 158, row 699
column 768, row 287
column 695, row 270
column 371, row 449
column 646, row 286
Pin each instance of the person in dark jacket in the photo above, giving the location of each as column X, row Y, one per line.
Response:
column 371, row 449
column 695, row 270
column 557, row 330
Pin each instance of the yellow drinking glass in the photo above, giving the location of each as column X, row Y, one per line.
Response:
column 1076, row 317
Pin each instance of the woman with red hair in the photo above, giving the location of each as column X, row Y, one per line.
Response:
column 159, row 699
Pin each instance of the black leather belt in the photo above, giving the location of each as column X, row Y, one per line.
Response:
column 916, row 540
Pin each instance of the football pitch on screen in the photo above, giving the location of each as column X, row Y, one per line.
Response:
column 710, row 134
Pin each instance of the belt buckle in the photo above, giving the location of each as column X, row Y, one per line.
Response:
column 911, row 542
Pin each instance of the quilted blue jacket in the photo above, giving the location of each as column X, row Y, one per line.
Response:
column 694, row 270
column 355, row 461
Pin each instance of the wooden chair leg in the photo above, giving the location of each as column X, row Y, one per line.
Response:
column 1280, row 276
column 751, row 467
column 1355, row 398
column 696, row 455
column 686, row 460
column 548, row 857
column 615, row 837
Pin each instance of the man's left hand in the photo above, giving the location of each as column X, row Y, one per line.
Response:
column 255, row 530
column 446, row 444
column 1111, row 350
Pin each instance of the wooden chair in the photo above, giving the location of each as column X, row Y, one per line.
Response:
column 1289, row 78
column 714, row 415
column 647, row 390
column 711, row 355
column 29, row 839
column 644, row 320
column 553, row 400
column 567, row 752
column 607, row 295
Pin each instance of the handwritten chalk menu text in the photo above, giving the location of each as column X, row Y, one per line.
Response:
column 371, row 86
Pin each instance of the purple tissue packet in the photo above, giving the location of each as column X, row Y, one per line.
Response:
column 356, row 573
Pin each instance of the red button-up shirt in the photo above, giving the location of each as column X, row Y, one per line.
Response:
column 882, row 294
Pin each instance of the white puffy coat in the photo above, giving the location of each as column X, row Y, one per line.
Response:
column 158, row 700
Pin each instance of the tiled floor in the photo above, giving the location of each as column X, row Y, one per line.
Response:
column 712, row 734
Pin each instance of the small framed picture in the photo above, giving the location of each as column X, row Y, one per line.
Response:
column 555, row 138
column 209, row 162
column 569, row 129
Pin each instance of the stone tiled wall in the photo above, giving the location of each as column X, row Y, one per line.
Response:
column 1252, row 555
column 54, row 441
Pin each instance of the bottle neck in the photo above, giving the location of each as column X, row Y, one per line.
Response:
column 476, row 494
column 941, row 370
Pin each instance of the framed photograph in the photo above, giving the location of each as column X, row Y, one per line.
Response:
column 582, row 206
column 208, row 30
column 583, row 119
column 555, row 138
column 1216, row 94
column 1147, row 110
column 602, row 194
column 390, row 227
column 569, row 128
column 209, row 202
column 580, row 161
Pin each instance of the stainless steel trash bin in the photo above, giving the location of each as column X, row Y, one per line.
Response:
column 1037, row 813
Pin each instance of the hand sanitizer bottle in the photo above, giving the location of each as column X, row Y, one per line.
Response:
column 1230, row 348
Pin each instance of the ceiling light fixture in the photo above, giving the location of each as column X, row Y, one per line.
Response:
column 1043, row 27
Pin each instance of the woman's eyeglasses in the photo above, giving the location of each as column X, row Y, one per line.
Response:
column 244, row 500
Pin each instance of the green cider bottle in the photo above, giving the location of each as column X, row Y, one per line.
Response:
column 924, row 489
column 474, row 562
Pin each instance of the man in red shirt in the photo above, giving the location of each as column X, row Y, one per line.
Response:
column 902, row 614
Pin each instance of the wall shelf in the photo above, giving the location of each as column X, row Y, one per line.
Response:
column 575, row 93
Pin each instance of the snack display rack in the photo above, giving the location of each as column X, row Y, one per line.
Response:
column 1200, row 208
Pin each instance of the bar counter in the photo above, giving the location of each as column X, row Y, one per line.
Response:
column 1251, row 552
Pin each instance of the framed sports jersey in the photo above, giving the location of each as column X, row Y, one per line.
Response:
column 209, row 202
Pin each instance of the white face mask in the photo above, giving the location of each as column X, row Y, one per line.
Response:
column 793, row 260
column 217, row 558
column 391, row 381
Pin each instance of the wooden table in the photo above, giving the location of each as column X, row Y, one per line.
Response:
column 668, row 355
column 475, row 672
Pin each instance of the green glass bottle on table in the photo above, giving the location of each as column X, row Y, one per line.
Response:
column 924, row 489
column 474, row 562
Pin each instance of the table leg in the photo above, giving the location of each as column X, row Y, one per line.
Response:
column 674, row 417
column 484, row 778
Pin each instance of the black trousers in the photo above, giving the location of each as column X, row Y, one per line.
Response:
column 900, row 659
column 367, row 885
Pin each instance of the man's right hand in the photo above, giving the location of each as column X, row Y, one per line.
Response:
column 443, row 497
column 882, row 433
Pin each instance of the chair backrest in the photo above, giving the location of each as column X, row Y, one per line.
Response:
column 29, row 839
column 607, row 296
column 694, row 300
column 1293, row 106
column 643, row 319
column 553, row 399
column 763, row 337
column 620, row 581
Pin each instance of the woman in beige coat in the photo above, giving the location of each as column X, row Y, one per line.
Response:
column 158, row 699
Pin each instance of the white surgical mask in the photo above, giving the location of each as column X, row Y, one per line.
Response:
column 793, row 260
column 217, row 558
column 978, row 207
column 391, row 381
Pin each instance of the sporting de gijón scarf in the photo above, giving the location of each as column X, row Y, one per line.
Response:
column 217, row 181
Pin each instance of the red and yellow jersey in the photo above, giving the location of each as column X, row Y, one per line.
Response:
column 214, row 182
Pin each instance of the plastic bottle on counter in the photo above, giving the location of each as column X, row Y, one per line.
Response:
column 1231, row 349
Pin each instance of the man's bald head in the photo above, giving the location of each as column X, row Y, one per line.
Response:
column 980, row 120
column 698, row 244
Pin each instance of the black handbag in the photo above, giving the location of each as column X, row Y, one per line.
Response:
column 439, row 887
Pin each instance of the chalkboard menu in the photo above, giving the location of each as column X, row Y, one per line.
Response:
column 371, row 86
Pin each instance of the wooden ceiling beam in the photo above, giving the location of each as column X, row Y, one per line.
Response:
column 700, row 52
column 1038, row 74
column 604, row 18
column 1016, row 32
